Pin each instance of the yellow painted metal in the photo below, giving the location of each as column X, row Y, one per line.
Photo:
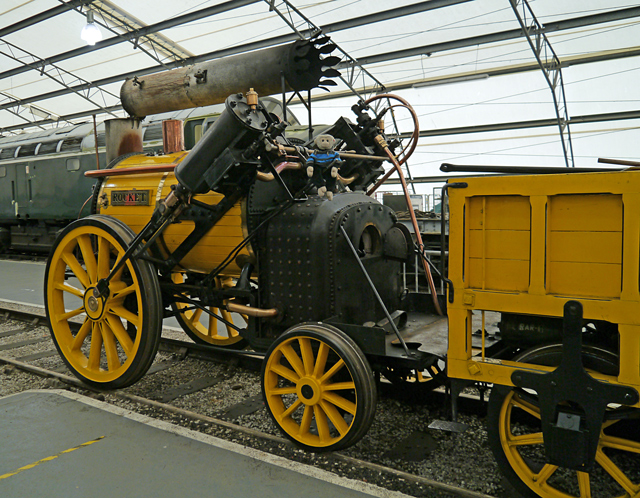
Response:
column 301, row 389
column 527, row 244
column 103, row 328
column 216, row 244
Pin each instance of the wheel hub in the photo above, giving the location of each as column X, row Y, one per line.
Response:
column 93, row 306
column 309, row 391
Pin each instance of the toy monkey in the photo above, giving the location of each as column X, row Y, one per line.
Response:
column 323, row 165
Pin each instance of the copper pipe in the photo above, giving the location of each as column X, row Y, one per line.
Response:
column 349, row 180
column 134, row 170
column 248, row 310
column 416, row 128
column 621, row 162
column 414, row 221
column 345, row 155
column 414, row 136
column 268, row 177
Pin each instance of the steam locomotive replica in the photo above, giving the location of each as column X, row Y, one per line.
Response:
column 234, row 230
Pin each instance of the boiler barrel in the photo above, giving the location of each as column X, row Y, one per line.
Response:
column 212, row 82
column 132, row 199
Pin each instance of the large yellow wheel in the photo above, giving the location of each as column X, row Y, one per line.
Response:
column 207, row 329
column 416, row 381
column 515, row 436
column 118, row 334
column 318, row 387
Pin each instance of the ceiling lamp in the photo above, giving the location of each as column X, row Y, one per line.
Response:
column 91, row 33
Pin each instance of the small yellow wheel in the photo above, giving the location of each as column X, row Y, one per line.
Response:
column 515, row 437
column 206, row 329
column 118, row 333
column 318, row 387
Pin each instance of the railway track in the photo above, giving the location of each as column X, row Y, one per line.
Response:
column 219, row 393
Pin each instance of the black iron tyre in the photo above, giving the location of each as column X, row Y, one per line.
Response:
column 118, row 338
column 515, row 438
column 318, row 387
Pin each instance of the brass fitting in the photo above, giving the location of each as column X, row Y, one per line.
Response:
column 252, row 99
column 379, row 139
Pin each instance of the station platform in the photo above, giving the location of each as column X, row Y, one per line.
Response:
column 57, row 443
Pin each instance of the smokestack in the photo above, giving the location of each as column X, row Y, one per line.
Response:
column 301, row 63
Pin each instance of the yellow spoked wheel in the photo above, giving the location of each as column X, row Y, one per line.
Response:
column 416, row 381
column 109, row 341
column 318, row 387
column 206, row 329
column 515, row 436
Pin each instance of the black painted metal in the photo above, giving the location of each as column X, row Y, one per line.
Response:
column 572, row 403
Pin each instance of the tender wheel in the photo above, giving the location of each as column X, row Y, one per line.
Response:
column 318, row 387
column 206, row 329
column 515, row 437
column 118, row 336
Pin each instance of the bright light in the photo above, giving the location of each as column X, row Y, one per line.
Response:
column 91, row 33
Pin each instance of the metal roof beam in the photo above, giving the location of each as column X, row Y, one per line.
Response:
column 170, row 23
column 452, row 45
column 43, row 16
column 606, row 55
column 341, row 25
column 512, row 34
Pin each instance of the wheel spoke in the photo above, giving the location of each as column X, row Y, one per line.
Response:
column 619, row 443
column 70, row 314
column 82, row 334
column 307, row 354
column 526, row 439
column 86, row 248
column 120, row 333
column 113, row 362
column 339, row 386
column 285, row 373
column 335, row 417
column 125, row 314
column 120, row 295
column 213, row 323
column 547, row 471
column 95, row 350
column 77, row 269
column 321, row 360
column 530, row 408
column 340, row 402
column 281, row 391
column 294, row 359
column 584, row 484
column 323, row 425
column 195, row 317
column 66, row 287
column 332, row 371
column 104, row 258
column 294, row 406
column 305, row 423
column 614, row 471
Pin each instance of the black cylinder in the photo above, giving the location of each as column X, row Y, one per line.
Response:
column 301, row 63
column 236, row 128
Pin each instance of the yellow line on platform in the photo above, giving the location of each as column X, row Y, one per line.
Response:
column 48, row 459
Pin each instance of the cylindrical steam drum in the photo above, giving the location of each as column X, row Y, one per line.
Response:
column 132, row 199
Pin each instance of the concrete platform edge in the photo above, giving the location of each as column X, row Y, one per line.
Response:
column 226, row 445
